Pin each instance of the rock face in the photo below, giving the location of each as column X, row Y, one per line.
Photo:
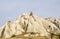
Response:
column 30, row 24
column 55, row 21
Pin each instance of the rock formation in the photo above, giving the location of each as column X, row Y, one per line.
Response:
column 30, row 24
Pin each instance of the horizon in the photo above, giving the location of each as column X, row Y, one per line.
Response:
column 10, row 9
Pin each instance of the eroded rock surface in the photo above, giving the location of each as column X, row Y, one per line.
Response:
column 31, row 24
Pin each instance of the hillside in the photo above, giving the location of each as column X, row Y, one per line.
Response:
column 30, row 25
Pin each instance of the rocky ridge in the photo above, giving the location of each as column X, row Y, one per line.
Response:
column 30, row 24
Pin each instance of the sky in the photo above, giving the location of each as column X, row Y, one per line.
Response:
column 10, row 9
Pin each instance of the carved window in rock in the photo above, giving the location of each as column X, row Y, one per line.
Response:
column 50, row 28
